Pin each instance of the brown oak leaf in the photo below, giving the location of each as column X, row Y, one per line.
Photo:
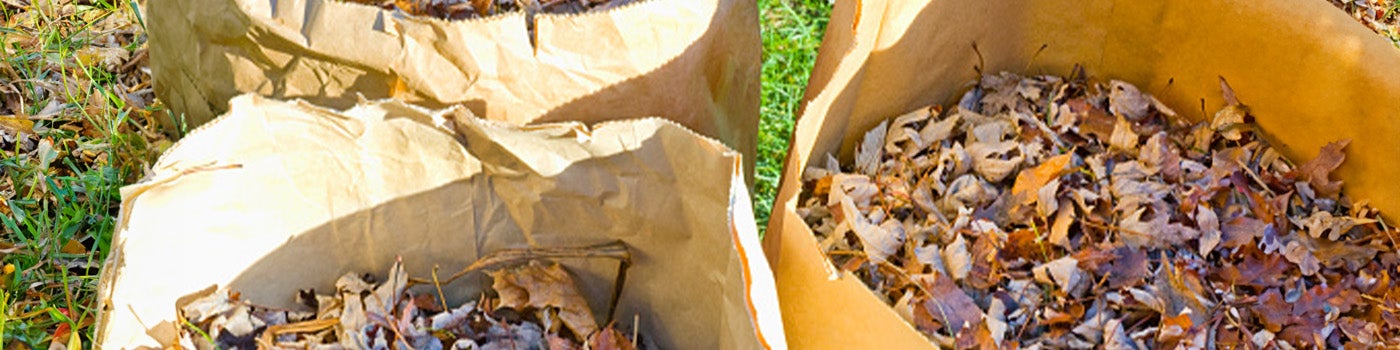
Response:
column 539, row 285
column 1317, row 170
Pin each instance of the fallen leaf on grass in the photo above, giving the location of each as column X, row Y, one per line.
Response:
column 107, row 58
column 12, row 125
column 73, row 247
column 542, row 286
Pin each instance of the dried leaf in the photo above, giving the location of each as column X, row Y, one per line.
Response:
column 1093, row 121
column 1256, row 269
column 1209, row 225
column 1157, row 154
column 880, row 241
column 1123, row 138
column 868, row 154
column 1064, row 272
column 1241, row 231
column 902, row 131
column 1059, row 231
column 1127, row 269
column 1046, row 203
column 938, row 131
column 993, row 160
column 12, row 126
column 968, row 191
column 1317, row 170
column 1228, row 121
column 1347, row 255
column 1322, row 224
column 1182, row 290
column 1299, row 254
column 73, row 247
column 1031, row 180
column 947, row 304
column 610, row 339
column 986, row 268
column 1359, row 330
column 108, row 58
column 957, row 259
column 1175, row 327
column 976, row 337
column 1024, row 244
column 1125, row 100
column 538, row 285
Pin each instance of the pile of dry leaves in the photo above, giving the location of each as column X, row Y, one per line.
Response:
column 1053, row 212
column 469, row 9
column 533, row 305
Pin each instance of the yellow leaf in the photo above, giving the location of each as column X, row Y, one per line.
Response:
column 12, row 124
column 1031, row 180
column 73, row 247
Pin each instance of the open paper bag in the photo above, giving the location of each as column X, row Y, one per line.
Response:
column 278, row 196
column 695, row 62
column 1310, row 75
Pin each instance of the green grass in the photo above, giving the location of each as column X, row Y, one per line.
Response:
column 59, row 186
column 792, row 30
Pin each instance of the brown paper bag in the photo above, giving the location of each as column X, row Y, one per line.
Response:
column 277, row 196
column 1309, row 74
column 692, row 61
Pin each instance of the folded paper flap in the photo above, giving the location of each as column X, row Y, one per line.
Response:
column 1309, row 74
column 332, row 192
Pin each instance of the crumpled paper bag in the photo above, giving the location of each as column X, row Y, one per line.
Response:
column 277, row 196
column 696, row 62
column 1309, row 74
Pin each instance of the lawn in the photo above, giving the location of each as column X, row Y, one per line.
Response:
column 77, row 122
column 792, row 30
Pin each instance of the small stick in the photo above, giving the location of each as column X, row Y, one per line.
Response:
column 614, row 250
column 441, row 298
column 311, row 326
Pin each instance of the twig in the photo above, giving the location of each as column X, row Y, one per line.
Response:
column 268, row 338
column 441, row 297
column 613, row 250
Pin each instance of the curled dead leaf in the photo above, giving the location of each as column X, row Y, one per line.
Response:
column 540, row 285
